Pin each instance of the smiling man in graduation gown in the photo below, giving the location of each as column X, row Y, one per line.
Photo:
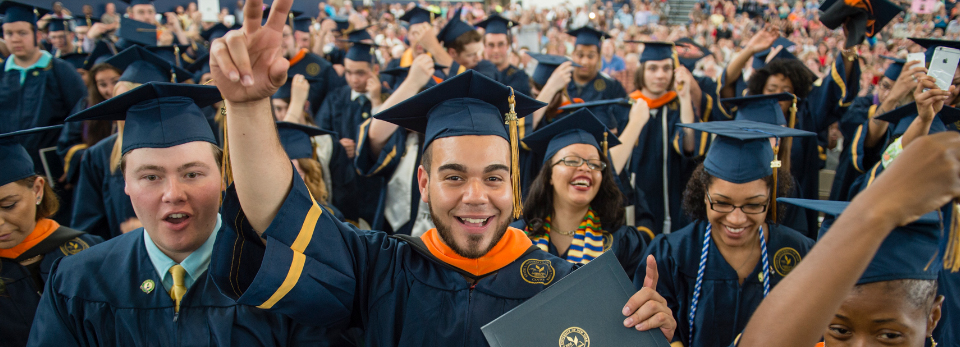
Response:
column 458, row 277
column 150, row 286
column 496, row 49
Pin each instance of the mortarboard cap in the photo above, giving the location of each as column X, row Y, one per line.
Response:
column 909, row 252
column 14, row 159
column 302, row 24
column 169, row 53
column 417, row 15
column 295, row 139
column 588, row 36
column 199, row 67
column 904, row 115
column 343, row 24
column 58, row 25
column 689, row 53
column 141, row 66
column 101, row 52
column 930, row 44
column 760, row 108
column 602, row 114
column 866, row 17
column 893, row 71
column 215, row 32
column 359, row 35
column 290, row 16
column 13, row 11
column 454, row 28
column 75, row 59
column 654, row 51
column 495, row 24
column 760, row 59
column 158, row 115
column 578, row 127
column 138, row 2
column 546, row 64
column 137, row 32
column 85, row 21
column 467, row 104
column 362, row 52
column 284, row 91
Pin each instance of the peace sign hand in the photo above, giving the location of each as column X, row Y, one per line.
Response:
column 246, row 63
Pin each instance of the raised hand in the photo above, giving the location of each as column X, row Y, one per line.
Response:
column 763, row 39
column 560, row 78
column 647, row 309
column 907, row 81
column 683, row 80
column 247, row 63
column 421, row 70
column 929, row 97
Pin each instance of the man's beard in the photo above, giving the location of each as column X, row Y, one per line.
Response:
column 472, row 249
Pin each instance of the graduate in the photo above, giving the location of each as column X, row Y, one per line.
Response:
column 297, row 142
column 37, row 89
column 588, row 83
column 103, row 208
column 575, row 209
column 151, row 285
column 464, row 45
column 496, row 50
column 30, row 242
column 715, row 271
column 660, row 162
column 323, row 79
column 459, row 276
column 61, row 38
column 818, row 104
column 413, row 17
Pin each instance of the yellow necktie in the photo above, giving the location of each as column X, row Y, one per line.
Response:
column 179, row 289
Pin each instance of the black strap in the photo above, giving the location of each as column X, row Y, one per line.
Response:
column 421, row 248
column 58, row 238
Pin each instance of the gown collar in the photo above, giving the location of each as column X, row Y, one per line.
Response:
column 513, row 245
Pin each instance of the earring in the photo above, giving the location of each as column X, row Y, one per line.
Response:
column 38, row 201
column 933, row 343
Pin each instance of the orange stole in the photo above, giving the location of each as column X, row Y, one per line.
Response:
column 654, row 103
column 45, row 227
column 511, row 246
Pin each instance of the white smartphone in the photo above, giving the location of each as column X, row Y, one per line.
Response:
column 915, row 57
column 944, row 65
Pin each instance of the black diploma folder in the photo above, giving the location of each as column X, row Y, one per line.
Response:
column 582, row 309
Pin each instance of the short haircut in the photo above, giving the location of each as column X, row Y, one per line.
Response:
column 920, row 293
column 463, row 40
column 217, row 155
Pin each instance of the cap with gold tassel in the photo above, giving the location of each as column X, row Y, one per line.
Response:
column 579, row 127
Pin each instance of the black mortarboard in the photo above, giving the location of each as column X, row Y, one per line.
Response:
column 578, row 127
column 158, row 115
column 893, row 71
column 602, row 114
column 13, row 11
column 653, row 51
column 454, row 28
column 295, row 139
column 58, row 25
column 495, row 24
column 909, row 252
column 760, row 59
column 75, row 59
column 904, row 115
column 141, row 66
column 467, row 104
column 290, row 16
column 302, row 24
column 588, row 36
column 169, row 53
column 134, row 31
column 343, row 24
column 689, row 53
column 417, row 15
column 14, row 159
column 215, row 32
column 85, row 21
column 760, row 108
column 867, row 17
column 199, row 67
column 931, row 44
column 546, row 64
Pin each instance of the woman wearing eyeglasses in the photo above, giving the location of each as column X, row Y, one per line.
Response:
column 715, row 271
column 574, row 209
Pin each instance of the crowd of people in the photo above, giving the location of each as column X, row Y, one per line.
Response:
column 387, row 174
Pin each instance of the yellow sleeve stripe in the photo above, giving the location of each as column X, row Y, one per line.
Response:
column 839, row 81
column 70, row 153
column 676, row 344
column 708, row 109
column 299, row 259
column 387, row 160
column 306, row 230
column 647, row 231
column 676, row 144
column 363, row 132
column 723, row 77
column 853, row 148
column 873, row 174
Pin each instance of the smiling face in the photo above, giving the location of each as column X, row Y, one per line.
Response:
column 575, row 186
column 467, row 183
column 18, row 211
column 175, row 193
column 874, row 314
column 736, row 229
column 106, row 81
column 588, row 57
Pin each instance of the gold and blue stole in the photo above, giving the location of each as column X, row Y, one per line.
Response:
column 587, row 241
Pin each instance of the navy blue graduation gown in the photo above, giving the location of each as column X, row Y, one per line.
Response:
column 515, row 77
column 47, row 96
column 20, row 292
column 320, row 272
column 342, row 115
column 626, row 242
column 377, row 171
column 393, row 81
column 321, row 75
column 847, row 171
column 725, row 306
column 948, row 330
column 602, row 87
column 102, row 205
column 101, row 298
column 484, row 66
column 336, row 55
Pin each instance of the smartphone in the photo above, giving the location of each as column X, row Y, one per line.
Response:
column 944, row 65
column 916, row 57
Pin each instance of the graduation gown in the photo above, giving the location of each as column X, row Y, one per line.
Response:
column 847, row 172
column 627, row 243
column 484, row 66
column 947, row 332
column 725, row 306
column 46, row 97
column 342, row 115
column 602, row 87
column 320, row 271
column 515, row 77
column 102, row 205
column 22, row 285
column 378, row 170
column 323, row 79
column 113, row 296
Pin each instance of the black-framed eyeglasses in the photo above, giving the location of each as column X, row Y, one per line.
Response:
column 575, row 161
column 723, row 207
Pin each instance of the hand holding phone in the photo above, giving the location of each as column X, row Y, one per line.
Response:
column 944, row 65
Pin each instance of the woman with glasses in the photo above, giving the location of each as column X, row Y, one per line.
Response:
column 716, row 270
column 574, row 209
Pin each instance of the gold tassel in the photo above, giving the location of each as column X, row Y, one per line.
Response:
column 793, row 113
column 775, row 164
column 605, row 144
column 176, row 54
column 951, row 258
column 226, row 176
column 514, row 155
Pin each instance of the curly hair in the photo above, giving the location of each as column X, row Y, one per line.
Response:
column 701, row 180
column 794, row 70
column 607, row 205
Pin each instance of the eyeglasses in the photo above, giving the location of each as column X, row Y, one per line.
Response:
column 575, row 161
column 723, row 207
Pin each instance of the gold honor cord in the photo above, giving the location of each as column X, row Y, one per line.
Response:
column 514, row 155
column 775, row 164
column 951, row 257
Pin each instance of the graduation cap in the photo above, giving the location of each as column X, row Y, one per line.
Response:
column 85, row 21
column 578, row 127
column 467, row 104
column 138, row 2
column 359, row 35
column 417, row 15
column 546, row 64
column 893, row 71
column 290, row 16
column 588, row 36
column 101, row 52
column 909, row 252
column 14, row 159
column 930, row 44
column 363, row 48
column 495, row 24
column 75, row 59
column 741, row 152
column 904, row 115
column 169, row 53
column 137, row 32
column 867, row 17
column 295, row 139
column 454, row 28
column 199, row 67
column 158, row 114
column 58, row 25
column 653, row 51
column 760, row 59
column 762, row 108
column 343, row 24
column 215, row 32
column 302, row 24
column 689, row 53
column 284, row 91
column 606, row 117
column 141, row 66
column 13, row 11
